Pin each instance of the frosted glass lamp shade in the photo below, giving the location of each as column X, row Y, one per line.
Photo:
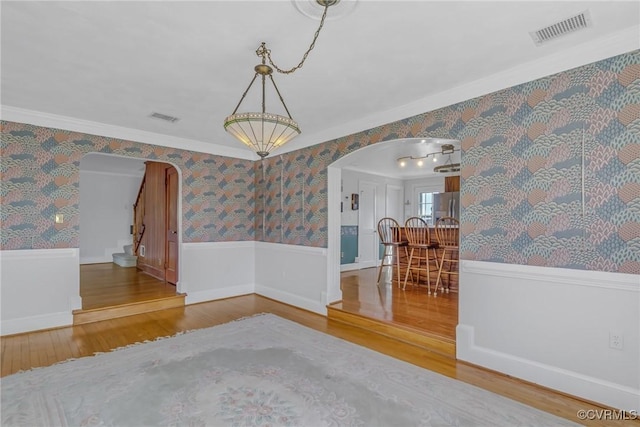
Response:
column 262, row 132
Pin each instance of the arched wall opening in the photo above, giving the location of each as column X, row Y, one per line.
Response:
column 100, row 171
column 393, row 149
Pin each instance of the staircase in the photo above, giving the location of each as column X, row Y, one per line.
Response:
column 138, row 217
column 126, row 258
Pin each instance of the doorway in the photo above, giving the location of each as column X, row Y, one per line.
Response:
column 109, row 186
column 156, row 222
column 367, row 234
column 413, row 307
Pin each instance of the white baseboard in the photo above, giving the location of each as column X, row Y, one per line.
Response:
column 349, row 267
column 295, row 275
column 214, row 270
column 40, row 288
column 551, row 327
column 295, row 300
column 215, row 294
column 595, row 389
column 34, row 323
column 95, row 260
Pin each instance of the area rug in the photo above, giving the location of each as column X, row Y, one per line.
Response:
column 257, row 371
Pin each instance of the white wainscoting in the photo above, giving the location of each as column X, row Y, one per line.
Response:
column 551, row 326
column 295, row 275
column 215, row 270
column 40, row 288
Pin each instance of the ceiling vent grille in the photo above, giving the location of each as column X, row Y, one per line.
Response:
column 164, row 117
column 559, row 29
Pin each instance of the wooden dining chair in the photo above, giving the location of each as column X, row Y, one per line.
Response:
column 390, row 237
column 422, row 251
column 447, row 232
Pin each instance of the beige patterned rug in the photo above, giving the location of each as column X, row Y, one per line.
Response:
column 258, row 371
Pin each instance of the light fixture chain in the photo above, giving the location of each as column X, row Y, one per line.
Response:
column 245, row 93
column 280, row 96
column 313, row 44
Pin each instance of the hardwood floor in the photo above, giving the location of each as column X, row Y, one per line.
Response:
column 412, row 308
column 44, row 348
column 108, row 284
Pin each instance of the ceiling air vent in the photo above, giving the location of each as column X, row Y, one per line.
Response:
column 164, row 117
column 559, row 29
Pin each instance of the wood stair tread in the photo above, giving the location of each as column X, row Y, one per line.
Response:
column 82, row 316
column 442, row 345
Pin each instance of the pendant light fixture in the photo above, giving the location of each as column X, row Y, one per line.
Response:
column 448, row 166
column 263, row 131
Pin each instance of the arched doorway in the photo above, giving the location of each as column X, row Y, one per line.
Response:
column 371, row 159
column 109, row 188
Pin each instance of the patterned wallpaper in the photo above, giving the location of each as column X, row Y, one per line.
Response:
column 523, row 151
column 40, row 177
column 291, row 200
column 527, row 153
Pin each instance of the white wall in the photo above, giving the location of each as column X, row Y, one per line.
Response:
column 430, row 184
column 552, row 327
column 295, row 275
column 349, row 186
column 106, row 213
column 40, row 288
column 214, row 270
column 350, row 183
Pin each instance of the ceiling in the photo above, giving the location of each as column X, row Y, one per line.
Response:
column 105, row 67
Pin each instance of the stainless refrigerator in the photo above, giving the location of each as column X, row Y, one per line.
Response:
column 446, row 204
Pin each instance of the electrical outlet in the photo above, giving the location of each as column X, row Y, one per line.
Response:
column 616, row 340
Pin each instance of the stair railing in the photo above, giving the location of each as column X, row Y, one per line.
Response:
column 138, row 217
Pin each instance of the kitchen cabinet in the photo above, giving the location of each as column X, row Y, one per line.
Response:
column 451, row 183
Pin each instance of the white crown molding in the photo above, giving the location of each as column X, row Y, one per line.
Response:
column 40, row 118
column 623, row 41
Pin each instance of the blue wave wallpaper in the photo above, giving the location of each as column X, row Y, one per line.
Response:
column 550, row 176
column 41, row 177
column 550, row 171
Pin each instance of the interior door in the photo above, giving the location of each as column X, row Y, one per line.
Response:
column 368, row 241
column 394, row 205
column 171, row 258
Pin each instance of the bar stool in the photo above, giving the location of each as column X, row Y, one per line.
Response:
column 389, row 232
column 420, row 245
column 447, row 234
